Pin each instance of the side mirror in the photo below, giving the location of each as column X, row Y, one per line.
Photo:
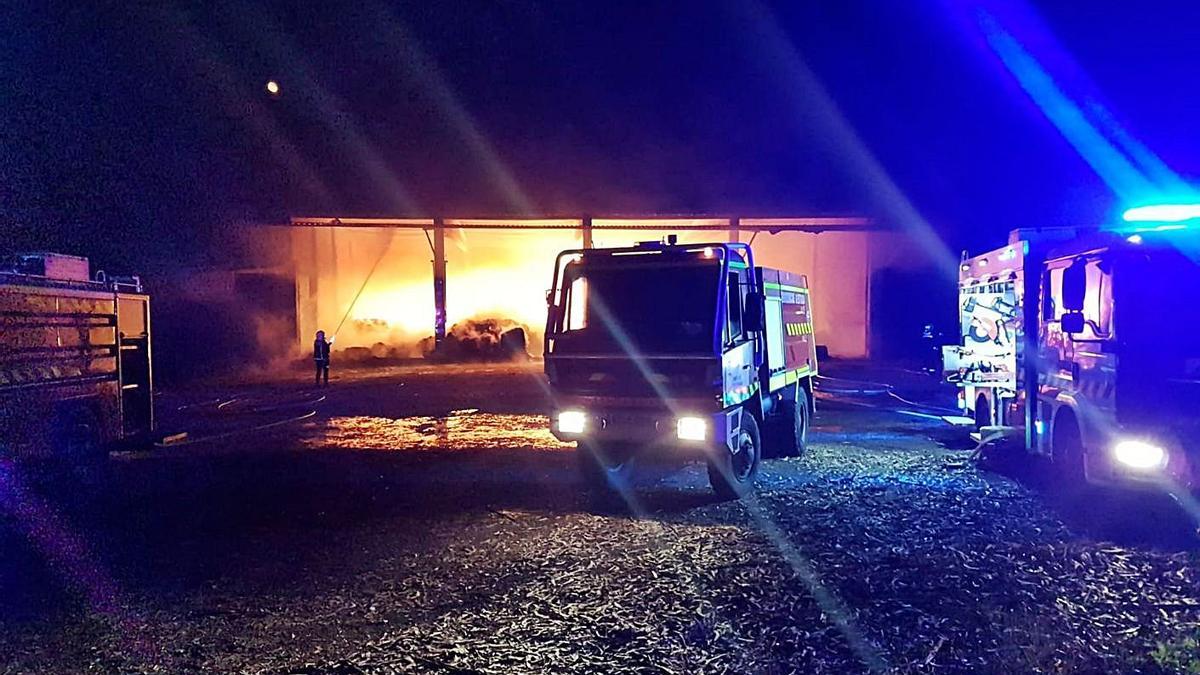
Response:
column 553, row 314
column 753, row 321
column 1072, row 323
column 1074, row 286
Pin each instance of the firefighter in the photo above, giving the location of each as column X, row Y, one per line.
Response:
column 321, row 356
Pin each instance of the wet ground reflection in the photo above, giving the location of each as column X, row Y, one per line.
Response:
column 460, row 430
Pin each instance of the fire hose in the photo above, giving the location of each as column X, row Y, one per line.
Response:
column 363, row 287
column 844, row 386
column 309, row 407
column 183, row 438
column 837, row 385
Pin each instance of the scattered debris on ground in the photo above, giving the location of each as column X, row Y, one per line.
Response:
column 452, row 538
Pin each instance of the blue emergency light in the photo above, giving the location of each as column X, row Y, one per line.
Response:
column 1162, row 213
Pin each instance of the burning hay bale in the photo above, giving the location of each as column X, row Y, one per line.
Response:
column 480, row 340
column 487, row 340
column 379, row 353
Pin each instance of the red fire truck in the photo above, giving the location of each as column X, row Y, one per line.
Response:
column 1086, row 344
column 75, row 375
column 663, row 349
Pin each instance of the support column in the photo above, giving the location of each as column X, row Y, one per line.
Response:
column 586, row 225
column 734, row 226
column 439, row 282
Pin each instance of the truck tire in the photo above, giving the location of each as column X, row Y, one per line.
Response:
column 791, row 422
column 602, row 470
column 78, row 439
column 732, row 474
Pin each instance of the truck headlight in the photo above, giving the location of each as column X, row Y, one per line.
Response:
column 691, row 428
column 572, row 421
column 1141, row 455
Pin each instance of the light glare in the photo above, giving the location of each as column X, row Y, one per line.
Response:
column 1139, row 454
column 1162, row 213
column 691, row 428
column 572, row 421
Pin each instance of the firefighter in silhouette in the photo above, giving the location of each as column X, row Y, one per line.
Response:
column 321, row 356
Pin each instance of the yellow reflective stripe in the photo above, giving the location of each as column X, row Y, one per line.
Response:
column 785, row 287
column 788, row 377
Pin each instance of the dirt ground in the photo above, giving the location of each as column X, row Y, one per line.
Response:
column 421, row 519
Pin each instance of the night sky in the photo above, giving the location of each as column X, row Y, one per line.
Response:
column 139, row 133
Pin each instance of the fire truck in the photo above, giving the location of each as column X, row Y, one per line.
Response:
column 75, row 375
column 1085, row 344
column 674, row 351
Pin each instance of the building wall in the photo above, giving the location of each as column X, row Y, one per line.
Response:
column 838, row 268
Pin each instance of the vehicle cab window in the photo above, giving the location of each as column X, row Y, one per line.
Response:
column 1097, row 306
column 576, row 312
column 1097, row 303
column 734, row 328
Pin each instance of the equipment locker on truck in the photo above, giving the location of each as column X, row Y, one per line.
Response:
column 679, row 351
column 75, row 375
column 1086, row 345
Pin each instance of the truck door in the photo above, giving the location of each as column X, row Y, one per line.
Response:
column 1080, row 367
column 737, row 359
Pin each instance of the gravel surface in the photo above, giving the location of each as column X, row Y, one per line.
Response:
column 422, row 520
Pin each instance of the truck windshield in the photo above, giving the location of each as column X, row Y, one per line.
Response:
column 1161, row 312
column 639, row 308
column 1158, row 326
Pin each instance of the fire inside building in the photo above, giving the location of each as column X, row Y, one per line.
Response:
column 385, row 285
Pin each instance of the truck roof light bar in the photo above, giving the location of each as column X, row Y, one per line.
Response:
column 1162, row 213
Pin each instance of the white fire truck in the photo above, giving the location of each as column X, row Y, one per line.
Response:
column 1086, row 343
column 75, row 376
column 665, row 350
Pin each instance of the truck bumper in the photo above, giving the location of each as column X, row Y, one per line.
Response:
column 683, row 435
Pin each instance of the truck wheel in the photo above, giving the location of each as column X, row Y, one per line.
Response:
column 602, row 469
column 732, row 474
column 792, row 421
column 79, row 437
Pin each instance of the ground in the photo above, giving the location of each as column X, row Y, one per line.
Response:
column 423, row 520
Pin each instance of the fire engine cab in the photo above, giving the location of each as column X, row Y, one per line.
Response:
column 1086, row 344
column 671, row 350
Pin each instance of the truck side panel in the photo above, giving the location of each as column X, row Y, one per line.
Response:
column 791, row 344
column 58, row 366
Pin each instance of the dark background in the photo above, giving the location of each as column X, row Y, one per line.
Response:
column 136, row 133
